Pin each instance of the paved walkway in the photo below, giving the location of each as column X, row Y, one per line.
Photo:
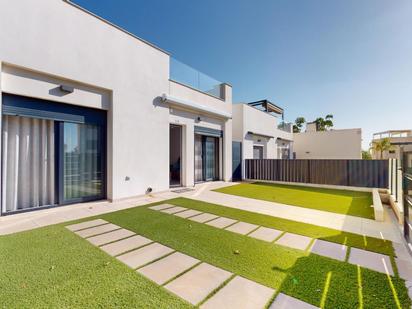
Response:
column 385, row 230
column 195, row 281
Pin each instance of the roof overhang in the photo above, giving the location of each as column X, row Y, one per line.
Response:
column 166, row 98
column 260, row 134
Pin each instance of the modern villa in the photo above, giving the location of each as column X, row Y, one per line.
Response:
column 98, row 113
column 259, row 132
column 400, row 140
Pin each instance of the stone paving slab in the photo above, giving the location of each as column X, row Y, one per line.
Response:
column 188, row 213
column 404, row 268
column 240, row 293
column 197, row 283
column 221, row 222
column 97, row 230
column 110, row 237
column 242, row 228
column 142, row 256
column 284, row 301
column 169, row 267
column 85, row 225
column 329, row 249
column 202, row 218
column 173, row 210
column 125, row 245
column 294, row 241
column 371, row 260
column 266, row 234
column 161, row 206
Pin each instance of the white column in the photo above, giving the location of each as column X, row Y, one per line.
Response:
column 390, row 175
column 227, row 151
column 188, row 152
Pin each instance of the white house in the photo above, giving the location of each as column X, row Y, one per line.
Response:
column 90, row 111
column 259, row 127
column 400, row 140
column 331, row 144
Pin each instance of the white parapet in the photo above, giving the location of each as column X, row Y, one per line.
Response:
column 377, row 205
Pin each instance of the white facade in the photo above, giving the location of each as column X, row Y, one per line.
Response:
column 333, row 144
column 401, row 140
column 48, row 43
column 255, row 128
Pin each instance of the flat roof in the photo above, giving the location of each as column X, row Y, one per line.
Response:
column 114, row 25
column 269, row 106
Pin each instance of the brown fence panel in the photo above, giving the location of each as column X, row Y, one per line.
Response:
column 357, row 173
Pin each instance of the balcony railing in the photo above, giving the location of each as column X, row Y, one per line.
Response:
column 184, row 74
column 286, row 126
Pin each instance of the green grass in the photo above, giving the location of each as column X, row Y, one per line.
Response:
column 53, row 267
column 338, row 201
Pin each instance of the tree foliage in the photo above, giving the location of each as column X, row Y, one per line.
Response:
column 297, row 127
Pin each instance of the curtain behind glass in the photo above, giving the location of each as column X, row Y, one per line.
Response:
column 198, row 158
column 28, row 163
column 83, row 175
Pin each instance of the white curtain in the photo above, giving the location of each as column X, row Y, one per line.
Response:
column 28, row 163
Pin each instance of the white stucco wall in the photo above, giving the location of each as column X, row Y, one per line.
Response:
column 334, row 144
column 51, row 42
column 247, row 118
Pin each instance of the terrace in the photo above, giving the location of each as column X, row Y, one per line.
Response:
column 201, row 248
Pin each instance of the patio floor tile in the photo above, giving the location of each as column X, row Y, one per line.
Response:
column 284, row 301
column 124, row 245
column 266, row 234
column 240, row 293
column 329, row 249
column 371, row 260
column 221, row 222
column 167, row 268
column 404, row 268
column 161, row 206
column 294, row 241
column 173, row 210
column 203, row 217
column 242, row 228
column 188, row 213
column 110, row 237
column 85, row 225
column 197, row 283
column 142, row 256
column 97, row 230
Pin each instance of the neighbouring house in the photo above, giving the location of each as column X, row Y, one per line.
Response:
column 259, row 132
column 90, row 111
column 400, row 140
column 331, row 144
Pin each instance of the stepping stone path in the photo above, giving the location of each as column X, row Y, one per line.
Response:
column 221, row 222
column 240, row 293
column 183, row 275
column 375, row 261
column 266, row 234
column 371, row 260
column 294, row 241
column 242, row 228
column 284, row 301
column 329, row 249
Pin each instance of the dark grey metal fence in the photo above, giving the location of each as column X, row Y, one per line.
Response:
column 356, row 173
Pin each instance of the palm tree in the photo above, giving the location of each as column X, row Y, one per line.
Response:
column 297, row 127
column 381, row 146
column 324, row 124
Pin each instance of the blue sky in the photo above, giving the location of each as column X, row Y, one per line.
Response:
column 349, row 58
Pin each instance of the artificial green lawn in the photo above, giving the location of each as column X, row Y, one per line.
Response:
column 53, row 267
column 346, row 202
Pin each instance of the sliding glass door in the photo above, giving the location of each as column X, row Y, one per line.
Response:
column 206, row 158
column 82, row 172
column 52, row 154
